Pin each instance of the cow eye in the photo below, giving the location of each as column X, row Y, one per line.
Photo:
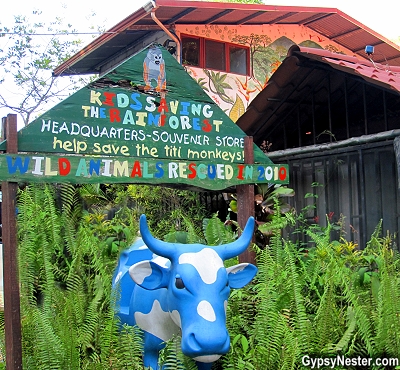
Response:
column 179, row 283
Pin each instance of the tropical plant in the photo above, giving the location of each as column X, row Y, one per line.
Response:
column 332, row 299
column 65, row 272
column 168, row 210
column 268, row 199
column 172, row 358
column 329, row 299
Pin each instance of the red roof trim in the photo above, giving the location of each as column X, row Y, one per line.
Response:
column 342, row 58
column 377, row 73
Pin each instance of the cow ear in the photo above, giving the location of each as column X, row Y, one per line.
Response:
column 149, row 275
column 241, row 274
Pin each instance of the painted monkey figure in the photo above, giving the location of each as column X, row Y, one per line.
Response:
column 154, row 69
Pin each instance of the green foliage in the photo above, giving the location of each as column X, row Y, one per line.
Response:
column 269, row 197
column 326, row 299
column 216, row 232
column 65, row 273
column 172, row 358
column 331, row 299
column 167, row 210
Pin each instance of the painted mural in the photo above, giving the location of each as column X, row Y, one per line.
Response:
column 268, row 46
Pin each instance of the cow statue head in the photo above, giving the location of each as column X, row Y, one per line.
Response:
column 185, row 288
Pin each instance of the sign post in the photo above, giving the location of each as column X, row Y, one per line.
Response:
column 12, row 315
column 245, row 200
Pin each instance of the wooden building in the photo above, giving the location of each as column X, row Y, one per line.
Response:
column 335, row 120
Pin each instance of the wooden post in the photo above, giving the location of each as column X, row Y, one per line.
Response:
column 12, row 315
column 245, row 200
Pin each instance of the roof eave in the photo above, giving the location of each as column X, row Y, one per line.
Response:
column 73, row 64
column 102, row 39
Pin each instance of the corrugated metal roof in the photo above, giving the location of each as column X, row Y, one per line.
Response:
column 122, row 39
column 385, row 75
column 305, row 78
column 382, row 74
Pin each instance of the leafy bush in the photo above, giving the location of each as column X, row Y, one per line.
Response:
column 325, row 298
column 66, row 266
column 330, row 299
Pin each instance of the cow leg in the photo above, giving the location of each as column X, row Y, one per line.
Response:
column 204, row 365
column 152, row 347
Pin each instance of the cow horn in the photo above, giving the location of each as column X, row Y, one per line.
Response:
column 235, row 248
column 157, row 246
column 225, row 251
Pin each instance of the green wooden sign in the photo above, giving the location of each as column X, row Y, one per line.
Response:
column 149, row 111
column 106, row 169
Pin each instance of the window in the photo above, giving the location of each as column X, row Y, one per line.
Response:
column 210, row 54
column 238, row 60
column 215, row 55
column 191, row 51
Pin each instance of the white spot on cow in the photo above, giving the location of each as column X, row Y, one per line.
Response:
column 176, row 317
column 140, row 271
column 161, row 261
column 157, row 322
column 118, row 277
column 207, row 262
column 236, row 268
column 205, row 310
column 208, row 358
column 144, row 246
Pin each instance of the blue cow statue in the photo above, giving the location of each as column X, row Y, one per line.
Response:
column 170, row 288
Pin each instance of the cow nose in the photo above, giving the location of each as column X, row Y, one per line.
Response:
column 208, row 342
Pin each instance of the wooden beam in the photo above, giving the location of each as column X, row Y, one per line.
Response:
column 245, row 200
column 12, row 315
